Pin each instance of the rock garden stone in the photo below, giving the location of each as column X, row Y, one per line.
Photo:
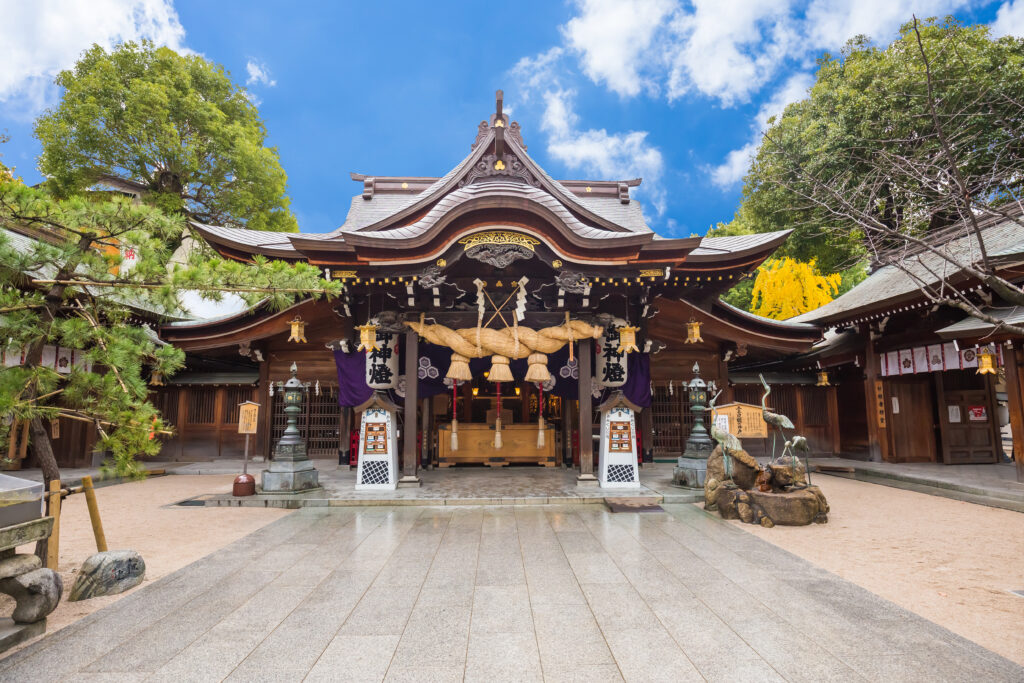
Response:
column 36, row 593
column 108, row 573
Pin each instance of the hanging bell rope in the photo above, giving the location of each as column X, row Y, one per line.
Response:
column 455, row 416
column 497, row 420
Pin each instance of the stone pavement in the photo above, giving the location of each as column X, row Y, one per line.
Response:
column 506, row 593
column 994, row 485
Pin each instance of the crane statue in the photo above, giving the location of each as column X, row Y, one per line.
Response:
column 726, row 440
column 781, row 423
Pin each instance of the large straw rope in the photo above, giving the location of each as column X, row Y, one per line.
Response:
column 503, row 342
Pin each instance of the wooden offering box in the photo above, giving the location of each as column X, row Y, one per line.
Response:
column 476, row 445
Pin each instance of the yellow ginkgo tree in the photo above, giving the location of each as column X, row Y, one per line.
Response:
column 785, row 287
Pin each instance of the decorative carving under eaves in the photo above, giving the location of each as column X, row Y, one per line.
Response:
column 499, row 255
column 481, row 133
column 390, row 322
column 571, row 281
column 516, row 134
column 510, row 167
column 431, row 277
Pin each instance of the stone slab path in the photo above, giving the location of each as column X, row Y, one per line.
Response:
column 507, row 593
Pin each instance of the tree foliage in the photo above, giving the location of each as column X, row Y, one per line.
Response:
column 171, row 127
column 895, row 152
column 69, row 285
column 784, row 288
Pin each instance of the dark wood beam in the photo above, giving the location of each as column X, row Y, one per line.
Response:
column 586, row 476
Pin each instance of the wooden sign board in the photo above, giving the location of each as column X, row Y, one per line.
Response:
column 248, row 417
column 744, row 420
column 880, row 403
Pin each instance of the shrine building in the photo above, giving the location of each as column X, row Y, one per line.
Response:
column 498, row 316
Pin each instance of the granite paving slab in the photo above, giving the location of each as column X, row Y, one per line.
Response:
column 418, row 594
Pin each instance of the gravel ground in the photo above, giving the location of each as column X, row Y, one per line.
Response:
column 952, row 562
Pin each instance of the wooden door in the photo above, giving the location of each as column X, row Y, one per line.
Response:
column 968, row 427
column 912, row 419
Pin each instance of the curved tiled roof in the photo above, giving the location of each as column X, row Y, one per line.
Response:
column 889, row 285
column 270, row 243
column 494, row 188
column 711, row 247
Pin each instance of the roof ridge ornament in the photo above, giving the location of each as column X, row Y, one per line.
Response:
column 499, row 121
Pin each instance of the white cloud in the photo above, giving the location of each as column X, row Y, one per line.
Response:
column 259, row 74
column 736, row 163
column 39, row 39
column 592, row 152
column 1009, row 19
column 612, row 36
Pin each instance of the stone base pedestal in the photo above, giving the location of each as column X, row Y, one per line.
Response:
column 690, row 473
column 409, row 483
column 12, row 634
column 286, row 476
column 587, row 481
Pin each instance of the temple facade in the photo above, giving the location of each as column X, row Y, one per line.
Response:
column 505, row 316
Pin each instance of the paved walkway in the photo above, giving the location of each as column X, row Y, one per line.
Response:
column 524, row 593
column 995, row 485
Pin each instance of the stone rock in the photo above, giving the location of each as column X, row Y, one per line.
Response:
column 797, row 507
column 36, row 593
column 108, row 573
column 743, row 473
column 16, row 565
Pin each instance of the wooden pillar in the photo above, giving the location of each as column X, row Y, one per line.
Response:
column 586, row 476
column 467, row 402
column 875, row 405
column 647, row 432
column 1013, row 364
column 409, row 453
column 426, row 427
column 833, row 420
column 344, row 443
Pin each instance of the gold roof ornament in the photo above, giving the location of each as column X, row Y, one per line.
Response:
column 823, row 379
column 986, row 361
column 499, row 165
column 298, row 330
column 367, row 337
column 693, row 332
column 627, row 339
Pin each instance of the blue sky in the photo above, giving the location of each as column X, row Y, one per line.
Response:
column 675, row 92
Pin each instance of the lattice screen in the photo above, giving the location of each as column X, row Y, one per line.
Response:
column 672, row 420
column 318, row 422
column 201, row 405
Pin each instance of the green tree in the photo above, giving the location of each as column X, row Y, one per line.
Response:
column 70, row 286
column 173, row 128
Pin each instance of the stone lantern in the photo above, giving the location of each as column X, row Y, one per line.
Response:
column 692, row 465
column 291, row 470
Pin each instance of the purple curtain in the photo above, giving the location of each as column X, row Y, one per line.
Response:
column 638, row 382
column 352, row 387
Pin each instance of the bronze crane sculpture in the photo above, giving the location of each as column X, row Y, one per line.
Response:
column 781, row 423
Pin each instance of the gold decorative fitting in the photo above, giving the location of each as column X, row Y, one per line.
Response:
column 405, row 186
column 367, row 338
column 986, row 361
column 441, row 263
column 498, row 237
column 344, row 274
column 498, row 283
column 298, row 333
column 499, row 165
column 499, row 123
column 693, row 332
column 557, row 263
column 588, row 188
column 652, row 272
column 627, row 339
column 823, row 379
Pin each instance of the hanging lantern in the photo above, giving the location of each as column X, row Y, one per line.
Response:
column 156, row 378
column 693, row 332
column 367, row 337
column 986, row 361
column 823, row 379
column 298, row 334
column 627, row 339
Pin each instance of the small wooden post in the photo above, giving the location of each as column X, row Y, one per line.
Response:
column 94, row 513
column 53, row 543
